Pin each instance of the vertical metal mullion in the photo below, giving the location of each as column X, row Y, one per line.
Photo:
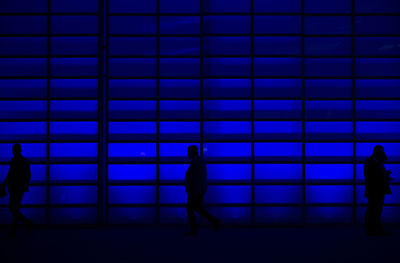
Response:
column 158, row 116
column 253, row 203
column 353, row 76
column 303, row 117
column 48, row 100
column 102, row 121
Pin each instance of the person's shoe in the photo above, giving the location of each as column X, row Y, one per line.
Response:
column 216, row 226
column 29, row 227
column 191, row 234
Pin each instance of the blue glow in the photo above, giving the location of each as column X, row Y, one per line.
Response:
column 289, row 215
column 73, row 172
column 22, row 130
column 132, row 88
column 73, row 215
column 228, row 172
column 218, row 88
column 132, row 130
column 180, row 88
column 180, row 130
column 35, row 196
column 225, row 130
column 278, row 172
column 23, row 88
column 364, row 150
column 73, row 151
column 329, row 172
column 278, row 194
column 132, row 194
column 329, row 151
column 132, row 150
column 282, row 109
column 174, row 172
column 228, row 194
column 127, row 109
column 129, row 215
column 73, row 194
column 275, row 151
column 172, row 195
column 277, row 88
column 329, row 130
column 174, row 151
column 277, row 130
column 70, row 88
column 338, row 194
column 74, row 109
column 32, row 151
column 329, row 215
column 131, row 172
column 73, row 130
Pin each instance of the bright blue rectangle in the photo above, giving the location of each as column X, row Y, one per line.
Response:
column 278, row 109
column 228, row 194
column 278, row 151
column 224, row 150
column 287, row 194
column 329, row 151
column 370, row 109
column 277, row 130
column 73, row 130
column 23, row 109
column 380, row 131
column 22, row 131
column 339, row 194
column 175, row 172
column 229, row 172
column 175, row 151
column 134, row 150
column 227, row 109
column 132, row 131
column 31, row 151
column 132, row 110
column 179, row 109
column 73, row 109
column 227, row 130
column 180, row 130
column 364, row 150
column 73, row 194
column 278, row 172
column 329, row 172
column 335, row 131
column 73, row 172
column 132, row 194
column 131, row 172
column 75, row 151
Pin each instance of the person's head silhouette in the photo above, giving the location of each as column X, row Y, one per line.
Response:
column 193, row 151
column 16, row 149
column 379, row 153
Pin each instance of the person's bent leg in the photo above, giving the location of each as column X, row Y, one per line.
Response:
column 199, row 208
column 191, row 217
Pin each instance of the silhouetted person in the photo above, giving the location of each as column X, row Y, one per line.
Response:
column 17, row 182
column 196, row 186
column 376, row 187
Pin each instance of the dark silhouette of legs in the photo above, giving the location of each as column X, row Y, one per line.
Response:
column 15, row 206
column 373, row 214
column 195, row 204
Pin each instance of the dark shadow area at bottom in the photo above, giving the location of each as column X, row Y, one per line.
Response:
column 167, row 244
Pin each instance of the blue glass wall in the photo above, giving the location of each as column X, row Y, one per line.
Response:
column 286, row 99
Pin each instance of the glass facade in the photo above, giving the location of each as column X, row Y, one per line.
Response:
column 286, row 99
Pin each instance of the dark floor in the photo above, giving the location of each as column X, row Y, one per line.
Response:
column 163, row 244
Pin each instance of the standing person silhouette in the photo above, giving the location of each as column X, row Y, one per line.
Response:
column 17, row 182
column 196, row 186
column 376, row 187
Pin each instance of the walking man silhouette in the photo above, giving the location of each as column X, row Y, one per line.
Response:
column 196, row 186
column 377, row 180
column 17, row 182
